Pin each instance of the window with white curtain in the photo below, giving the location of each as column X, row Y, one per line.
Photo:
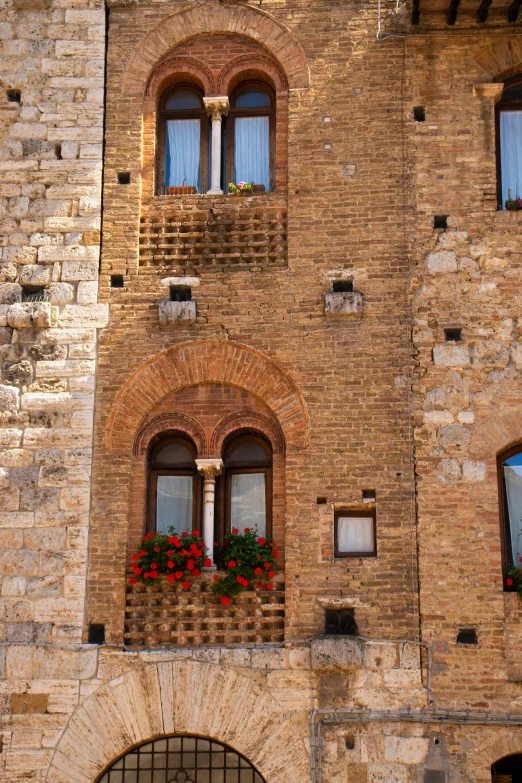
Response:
column 509, row 141
column 510, row 485
column 250, row 135
column 248, row 485
column 183, row 141
column 174, row 487
column 355, row 533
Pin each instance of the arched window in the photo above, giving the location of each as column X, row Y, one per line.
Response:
column 251, row 135
column 509, row 141
column 182, row 139
column 507, row 769
column 185, row 759
column 510, row 491
column 174, row 486
column 248, row 484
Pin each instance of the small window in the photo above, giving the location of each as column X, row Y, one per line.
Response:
column 174, row 487
column 183, row 140
column 251, row 135
column 340, row 622
column 510, row 491
column 354, row 533
column 509, row 142
column 248, row 485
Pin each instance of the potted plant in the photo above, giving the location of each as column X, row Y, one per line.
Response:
column 249, row 562
column 180, row 558
column 514, row 578
column 513, row 204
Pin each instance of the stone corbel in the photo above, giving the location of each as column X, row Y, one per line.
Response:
column 492, row 90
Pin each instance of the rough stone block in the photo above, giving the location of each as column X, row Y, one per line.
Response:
column 441, row 262
column 28, row 315
column 35, row 274
column 9, row 398
column 336, row 653
column 87, row 292
column 61, row 293
column 343, row 304
column 177, row 312
column 473, row 471
column 406, row 750
column 10, row 293
column 451, row 355
column 29, row 703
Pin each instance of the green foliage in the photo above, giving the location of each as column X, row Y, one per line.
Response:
column 514, row 578
column 179, row 557
column 249, row 561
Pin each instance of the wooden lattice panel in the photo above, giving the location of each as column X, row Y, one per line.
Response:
column 228, row 231
column 168, row 616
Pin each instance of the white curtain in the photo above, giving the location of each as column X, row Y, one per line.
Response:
column 174, row 503
column 511, row 154
column 183, row 144
column 248, row 502
column 355, row 534
column 251, row 153
column 513, row 478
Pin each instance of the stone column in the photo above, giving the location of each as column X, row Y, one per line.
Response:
column 217, row 107
column 209, row 469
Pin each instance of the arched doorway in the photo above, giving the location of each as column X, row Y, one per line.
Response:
column 182, row 759
column 508, row 769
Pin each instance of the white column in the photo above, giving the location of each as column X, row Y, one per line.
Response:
column 216, row 107
column 209, row 469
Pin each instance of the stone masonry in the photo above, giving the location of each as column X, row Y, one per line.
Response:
column 366, row 404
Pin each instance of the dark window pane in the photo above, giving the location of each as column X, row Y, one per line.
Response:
column 513, row 93
column 251, row 99
column 183, row 101
column 175, row 454
column 248, row 451
column 512, row 471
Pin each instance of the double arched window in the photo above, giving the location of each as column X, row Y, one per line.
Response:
column 185, row 139
column 509, row 141
column 243, row 490
column 510, row 492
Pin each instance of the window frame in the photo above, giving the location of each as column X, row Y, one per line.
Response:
column 338, row 513
column 155, row 469
column 230, row 468
column 500, row 107
column 262, row 111
column 506, row 545
column 161, row 135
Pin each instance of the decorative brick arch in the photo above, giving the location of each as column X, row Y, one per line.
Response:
column 173, row 422
column 185, row 697
column 195, row 363
column 246, row 420
column 505, row 745
column 498, row 433
column 213, row 18
column 501, row 59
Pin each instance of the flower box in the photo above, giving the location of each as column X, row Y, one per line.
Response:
column 182, row 190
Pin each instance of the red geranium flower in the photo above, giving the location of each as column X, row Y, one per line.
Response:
column 235, row 530
column 198, row 552
column 271, row 574
column 193, row 547
column 170, row 564
column 142, row 553
column 178, row 574
column 225, row 600
column 231, row 564
column 239, row 579
column 267, row 565
column 184, row 534
column 154, row 574
column 137, row 571
column 190, row 565
column 216, row 578
column 261, row 541
column 146, row 574
column 135, row 557
column 153, row 566
column 185, row 585
column 275, row 553
column 196, row 572
column 157, row 549
column 269, row 586
column 509, row 581
column 520, row 560
column 208, row 562
column 196, row 533
column 247, row 530
column 133, row 580
column 169, row 553
column 258, row 571
column 170, row 577
column 259, row 586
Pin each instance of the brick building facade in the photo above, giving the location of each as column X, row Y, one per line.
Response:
column 359, row 317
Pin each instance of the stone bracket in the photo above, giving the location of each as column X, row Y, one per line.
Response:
column 488, row 90
column 345, row 304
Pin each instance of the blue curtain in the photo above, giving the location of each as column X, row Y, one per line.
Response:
column 182, row 164
column 251, row 151
column 511, row 154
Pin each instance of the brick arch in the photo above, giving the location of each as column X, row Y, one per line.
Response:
column 175, row 69
column 498, row 434
column 213, row 18
column 505, row 745
column 246, row 420
column 169, row 422
column 501, row 59
column 210, row 361
column 250, row 67
column 185, row 697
